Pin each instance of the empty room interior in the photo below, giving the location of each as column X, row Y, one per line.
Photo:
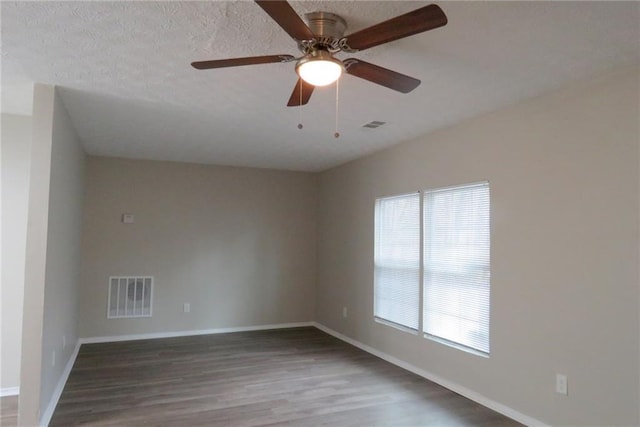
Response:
column 353, row 213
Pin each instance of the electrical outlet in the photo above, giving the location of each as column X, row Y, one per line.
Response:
column 186, row 307
column 53, row 358
column 64, row 341
column 562, row 386
column 344, row 312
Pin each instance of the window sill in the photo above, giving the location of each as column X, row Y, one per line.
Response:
column 396, row 326
column 457, row 346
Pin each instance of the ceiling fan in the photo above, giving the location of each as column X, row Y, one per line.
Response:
column 322, row 37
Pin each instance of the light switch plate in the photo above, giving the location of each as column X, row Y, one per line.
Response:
column 127, row 218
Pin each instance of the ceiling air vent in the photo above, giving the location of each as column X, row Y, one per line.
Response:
column 374, row 124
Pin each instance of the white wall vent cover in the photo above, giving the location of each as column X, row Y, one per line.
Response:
column 130, row 297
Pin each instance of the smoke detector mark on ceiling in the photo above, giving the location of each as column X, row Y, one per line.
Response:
column 374, row 124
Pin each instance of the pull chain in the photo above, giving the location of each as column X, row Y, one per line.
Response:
column 300, row 108
column 337, row 134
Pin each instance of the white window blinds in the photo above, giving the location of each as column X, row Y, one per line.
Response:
column 456, row 265
column 397, row 260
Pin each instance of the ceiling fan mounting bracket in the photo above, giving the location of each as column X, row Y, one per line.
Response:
column 344, row 46
column 349, row 62
column 286, row 58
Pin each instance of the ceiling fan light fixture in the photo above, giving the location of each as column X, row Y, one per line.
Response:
column 319, row 68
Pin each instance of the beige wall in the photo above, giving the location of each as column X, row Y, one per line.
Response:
column 237, row 244
column 16, row 149
column 52, row 253
column 66, row 197
column 563, row 170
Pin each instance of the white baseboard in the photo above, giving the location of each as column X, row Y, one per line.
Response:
column 470, row 394
column 457, row 388
column 9, row 391
column 132, row 337
column 57, row 392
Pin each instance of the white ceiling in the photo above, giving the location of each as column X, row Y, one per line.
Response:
column 130, row 91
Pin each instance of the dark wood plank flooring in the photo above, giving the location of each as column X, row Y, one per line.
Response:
column 292, row 377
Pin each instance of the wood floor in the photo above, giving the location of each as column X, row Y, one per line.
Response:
column 9, row 411
column 286, row 377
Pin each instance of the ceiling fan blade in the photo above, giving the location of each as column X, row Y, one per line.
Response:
column 381, row 76
column 418, row 21
column 296, row 100
column 236, row 62
column 284, row 15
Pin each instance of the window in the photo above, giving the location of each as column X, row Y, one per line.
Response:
column 130, row 297
column 397, row 260
column 456, row 265
column 455, row 273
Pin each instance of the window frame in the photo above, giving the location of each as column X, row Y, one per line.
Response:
column 422, row 272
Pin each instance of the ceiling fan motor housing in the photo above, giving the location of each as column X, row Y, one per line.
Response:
column 326, row 24
column 328, row 28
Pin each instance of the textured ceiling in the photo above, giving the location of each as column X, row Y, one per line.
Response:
column 124, row 72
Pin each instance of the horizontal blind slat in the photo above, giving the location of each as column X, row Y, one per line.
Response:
column 397, row 260
column 456, row 278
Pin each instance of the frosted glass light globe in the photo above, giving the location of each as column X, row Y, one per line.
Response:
column 319, row 70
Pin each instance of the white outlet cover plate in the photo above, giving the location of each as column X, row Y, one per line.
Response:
column 561, row 384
